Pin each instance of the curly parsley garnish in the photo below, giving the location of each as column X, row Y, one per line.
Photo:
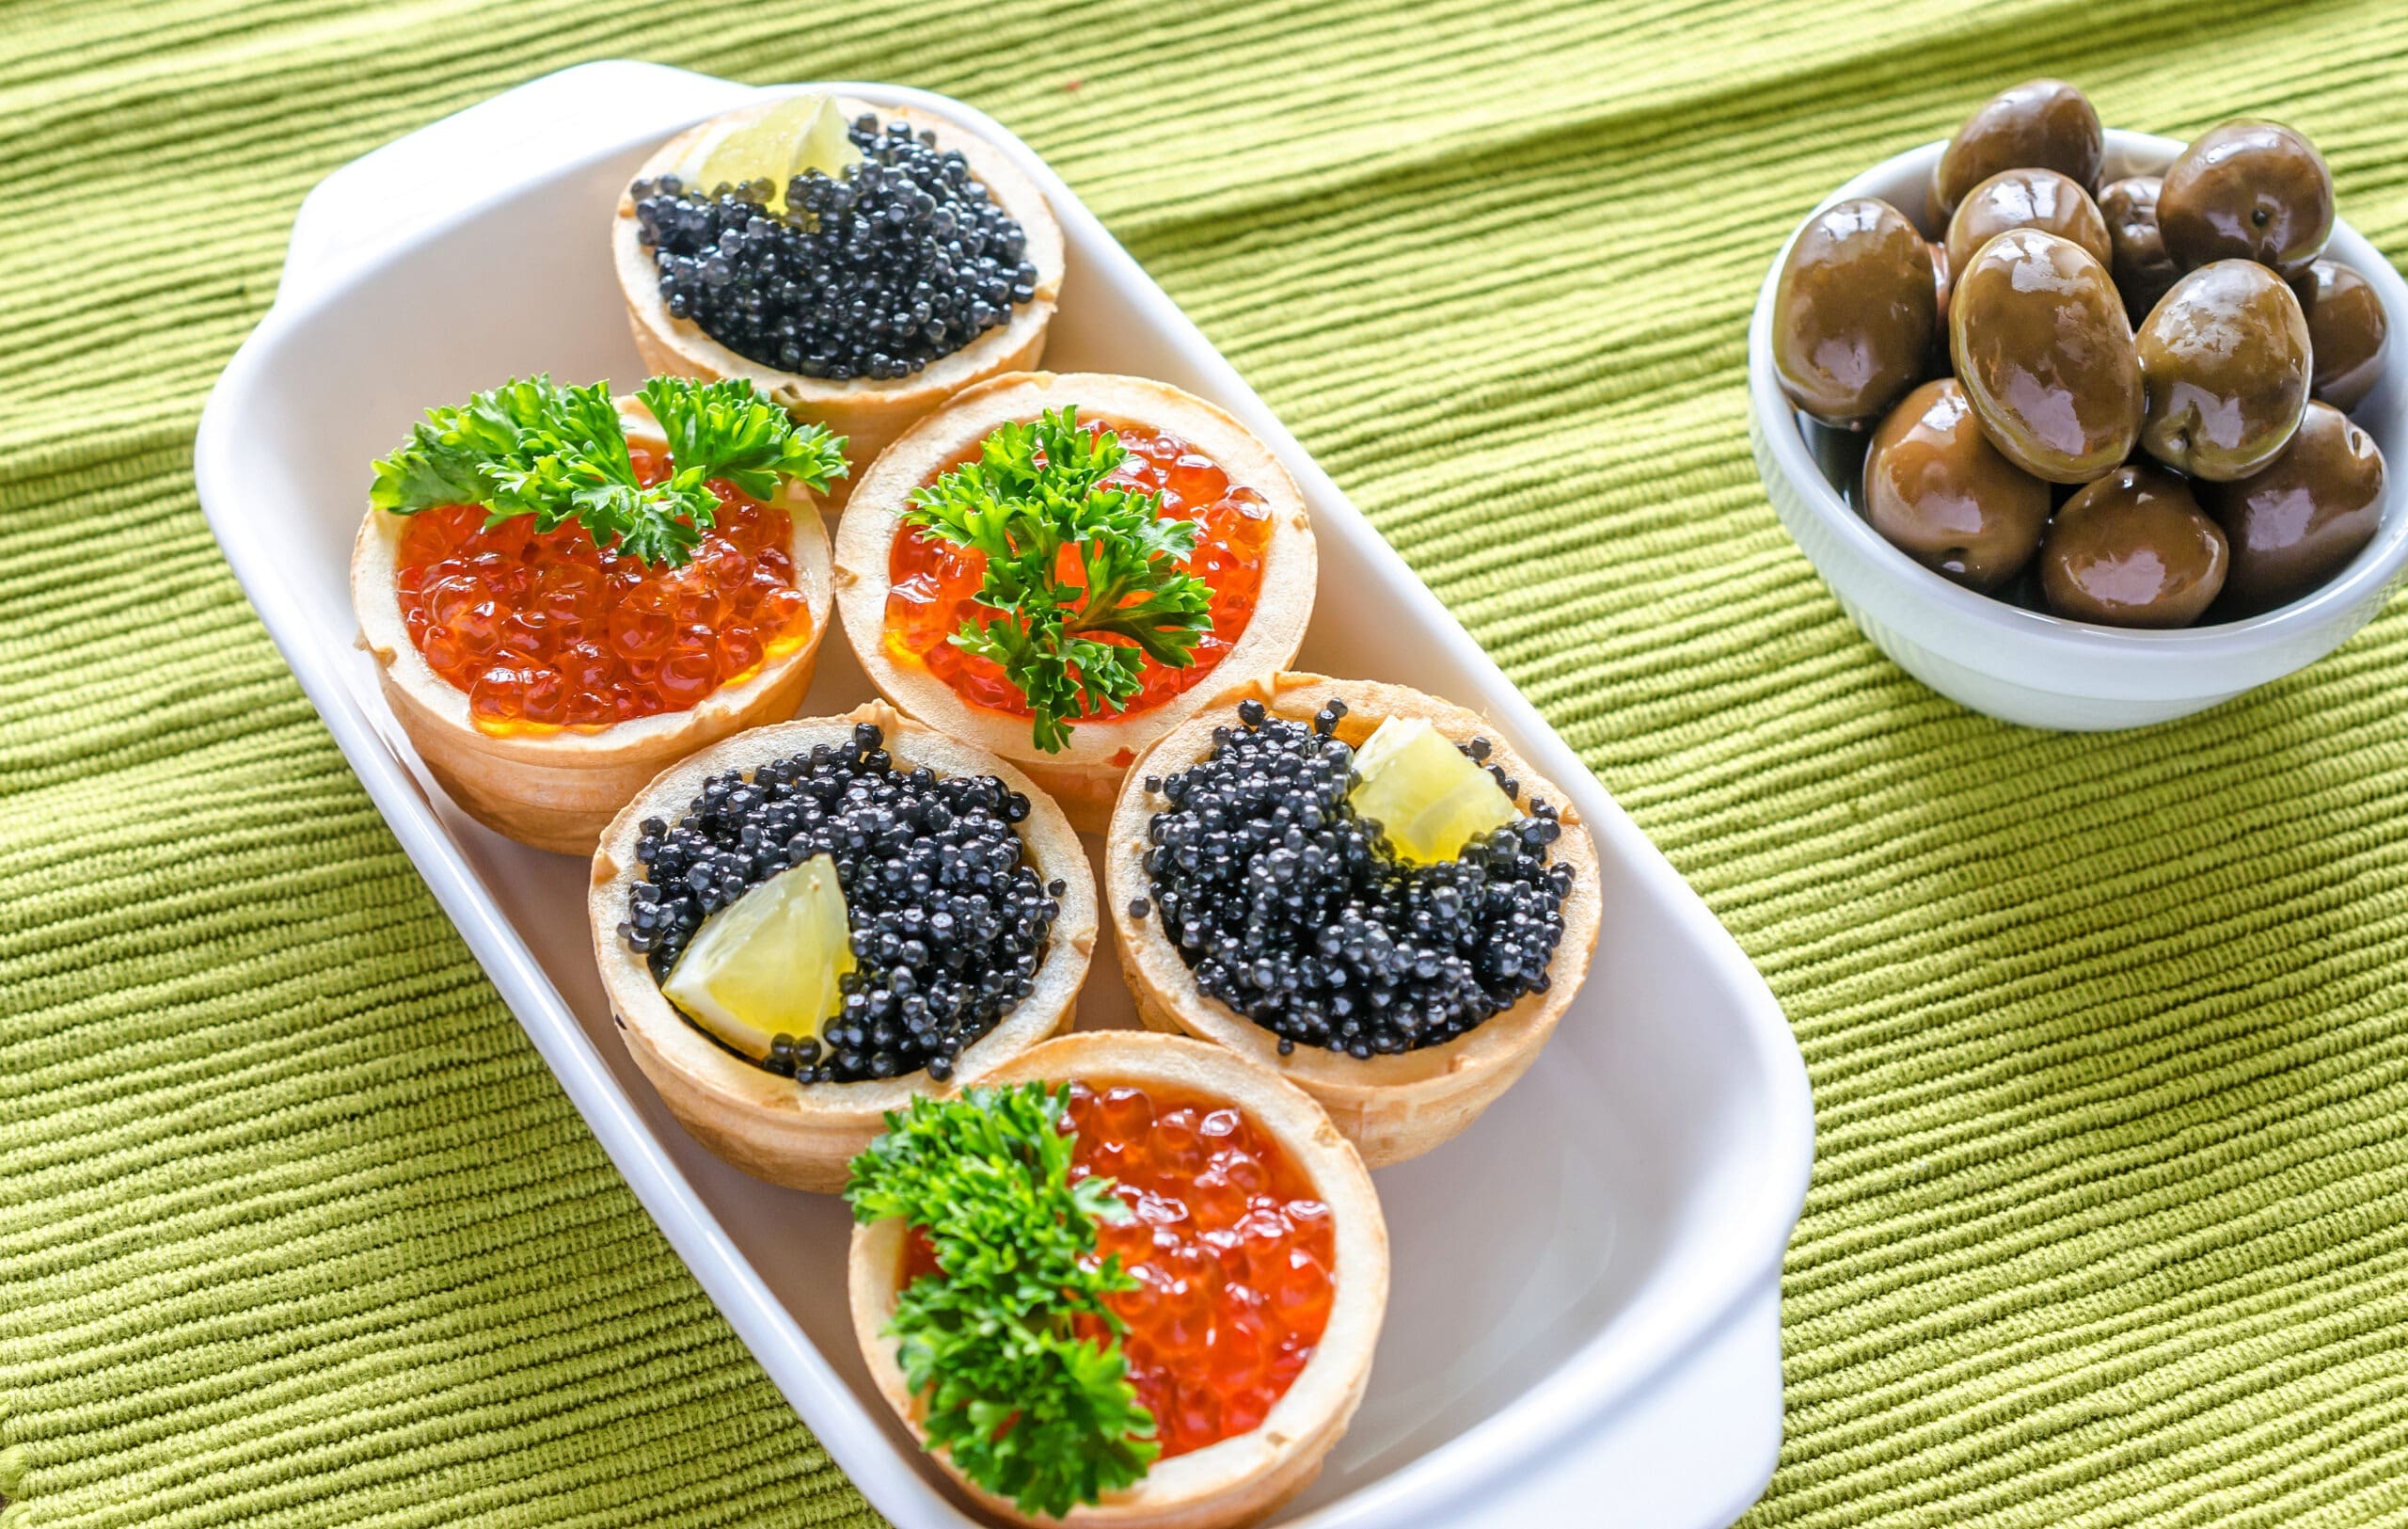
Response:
column 1035, row 490
column 1027, row 1409
column 560, row 454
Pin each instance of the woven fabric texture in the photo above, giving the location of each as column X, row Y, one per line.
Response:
column 2108, row 1035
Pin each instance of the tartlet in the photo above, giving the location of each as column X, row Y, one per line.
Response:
column 802, row 1136
column 1392, row 1107
column 1085, row 776
column 556, row 789
column 867, row 412
column 1247, row 1475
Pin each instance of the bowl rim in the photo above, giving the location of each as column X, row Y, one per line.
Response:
column 1976, row 618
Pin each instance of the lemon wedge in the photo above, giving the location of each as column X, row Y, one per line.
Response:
column 799, row 133
column 1428, row 797
column 771, row 963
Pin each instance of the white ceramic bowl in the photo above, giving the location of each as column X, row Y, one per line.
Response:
column 2025, row 666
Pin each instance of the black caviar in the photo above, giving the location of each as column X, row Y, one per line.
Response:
column 1290, row 908
column 948, row 918
column 904, row 259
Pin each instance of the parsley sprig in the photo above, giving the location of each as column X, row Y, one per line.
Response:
column 1036, row 489
column 559, row 454
column 1027, row 1409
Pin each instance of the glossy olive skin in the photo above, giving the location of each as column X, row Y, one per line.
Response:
column 2224, row 355
column 2299, row 522
column 2247, row 191
column 1853, row 312
column 2038, row 337
column 2346, row 331
column 2143, row 271
column 1938, row 491
column 2041, row 124
column 2025, row 198
column 2134, row 549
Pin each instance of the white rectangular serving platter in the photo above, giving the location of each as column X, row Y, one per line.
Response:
column 1584, row 1326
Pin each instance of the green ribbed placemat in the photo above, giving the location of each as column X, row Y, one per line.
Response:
column 2109, row 1036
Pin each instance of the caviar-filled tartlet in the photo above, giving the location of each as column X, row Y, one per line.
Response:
column 1131, row 1284
column 966, row 558
column 565, row 594
column 1360, row 887
column 803, row 926
column 860, row 264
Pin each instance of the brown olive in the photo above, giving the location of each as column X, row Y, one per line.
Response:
column 2295, row 525
column 2041, row 124
column 2143, row 271
column 2224, row 355
column 2132, row 549
column 2025, row 198
column 1938, row 491
column 2038, row 337
column 1853, row 312
column 2346, row 332
column 2247, row 191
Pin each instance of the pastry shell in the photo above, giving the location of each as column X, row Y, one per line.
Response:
column 803, row 1136
column 1392, row 1108
column 556, row 789
column 867, row 412
column 1246, row 1476
column 1085, row 776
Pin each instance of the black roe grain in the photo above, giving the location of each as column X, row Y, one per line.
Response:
column 948, row 918
column 903, row 260
column 1288, row 907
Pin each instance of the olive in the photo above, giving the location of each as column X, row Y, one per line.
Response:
column 2346, row 332
column 2224, row 355
column 2026, row 199
column 2041, row 124
column 2247, row 191
column 1938, row 491
column 2038, row 337
column 1853, row 312
column 2294, row 525
column 2132, row 549
column 2143, row 271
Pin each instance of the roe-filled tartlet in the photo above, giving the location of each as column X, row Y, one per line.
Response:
column 801, row 927
column 1131, row 1283
column 1360, row 887
column 565, row 594
column 966, row 559
column 858, row 263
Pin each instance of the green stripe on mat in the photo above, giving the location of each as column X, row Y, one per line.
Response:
column 2109, row 1036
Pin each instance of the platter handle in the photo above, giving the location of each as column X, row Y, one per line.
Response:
column 483, row 154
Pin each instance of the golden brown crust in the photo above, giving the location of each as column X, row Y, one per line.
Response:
column 555, row 791
column 802, row 1135
column 1242, row 1478
column 868, row 414
column 1392, row 1108
column 1086, row 776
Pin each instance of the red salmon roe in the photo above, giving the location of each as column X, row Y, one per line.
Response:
column 544, row 631
column 932, row 582
column 1231, row 1252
